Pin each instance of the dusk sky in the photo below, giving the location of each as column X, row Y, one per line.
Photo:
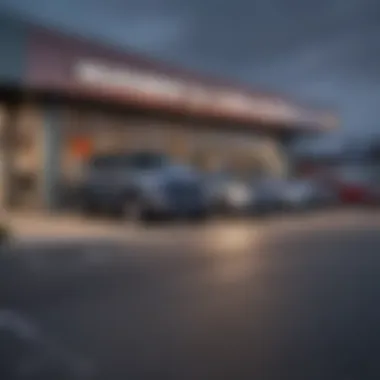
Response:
column 325, row 51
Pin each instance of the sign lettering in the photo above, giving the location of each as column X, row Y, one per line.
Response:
column 229, row 102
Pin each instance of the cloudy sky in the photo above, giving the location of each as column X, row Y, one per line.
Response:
column 325, row 51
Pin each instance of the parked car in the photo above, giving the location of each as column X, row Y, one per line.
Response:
column 316, row 193
column 274, row 194
column 268, row 194
column 141, row 186
column 297, row 194
column 354, row 183
column 325, row 194
column 229, row 194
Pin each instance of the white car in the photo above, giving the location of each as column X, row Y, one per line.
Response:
column 228, row 194
column 268, row 194
column 297, row 194
column 279, row 193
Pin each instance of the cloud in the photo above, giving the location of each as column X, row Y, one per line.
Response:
column 322, row 51
column 152, row 33
column 133, row 26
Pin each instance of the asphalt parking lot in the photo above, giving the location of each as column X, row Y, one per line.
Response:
column 293, row 297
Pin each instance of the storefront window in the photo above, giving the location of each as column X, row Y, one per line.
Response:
column 27, row 160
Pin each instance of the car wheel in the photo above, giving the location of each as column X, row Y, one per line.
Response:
column 199, row 217
column 133, row 210
column 89, row 209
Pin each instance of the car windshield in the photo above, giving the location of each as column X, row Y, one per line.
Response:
column 225, row 177
column 142, row 161
column 221, row 175
column 356, row 173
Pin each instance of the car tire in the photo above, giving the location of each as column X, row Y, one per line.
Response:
column 133, row 210
column 199, row 217
column 89, row 209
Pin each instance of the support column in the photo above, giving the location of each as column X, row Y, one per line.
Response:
column 52, row 147
column 8, row 151
column 287, row 143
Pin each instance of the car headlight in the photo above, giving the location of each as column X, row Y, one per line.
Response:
column 238, row 194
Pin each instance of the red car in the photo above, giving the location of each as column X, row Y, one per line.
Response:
column 355, row 184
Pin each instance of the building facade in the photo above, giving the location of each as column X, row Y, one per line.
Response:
column 63, row 100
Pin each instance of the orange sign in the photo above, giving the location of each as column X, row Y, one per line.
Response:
column 81, row 147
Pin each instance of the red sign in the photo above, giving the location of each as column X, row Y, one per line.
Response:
column 81, row 147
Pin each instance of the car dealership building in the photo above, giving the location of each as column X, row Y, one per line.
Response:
column 63, row 99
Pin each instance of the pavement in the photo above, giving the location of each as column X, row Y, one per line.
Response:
column 293, row 297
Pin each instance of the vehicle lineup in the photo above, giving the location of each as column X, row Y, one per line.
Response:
column 148, row 185
column 143, row 186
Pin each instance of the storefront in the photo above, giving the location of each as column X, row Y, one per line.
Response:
column 93, row 132
column 71, row 99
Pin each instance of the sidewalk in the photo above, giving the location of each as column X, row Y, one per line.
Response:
column 27, row 226
column 38, row 227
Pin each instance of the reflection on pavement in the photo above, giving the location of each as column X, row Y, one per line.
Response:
column 232, row 239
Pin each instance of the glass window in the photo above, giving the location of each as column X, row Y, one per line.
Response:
column 356, row 173
column 143, row 161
